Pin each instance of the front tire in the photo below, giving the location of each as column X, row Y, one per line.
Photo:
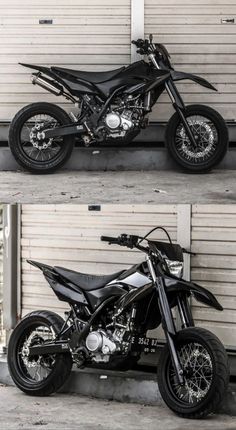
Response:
column 211, row 134
column 39, row 156
column 34, row 375
column 206, row 374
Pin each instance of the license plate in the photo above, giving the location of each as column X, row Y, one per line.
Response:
column 144, row 344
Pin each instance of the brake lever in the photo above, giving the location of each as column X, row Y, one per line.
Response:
column 185, row 251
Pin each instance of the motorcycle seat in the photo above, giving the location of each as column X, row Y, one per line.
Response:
column 94, row 77
column 85, row 281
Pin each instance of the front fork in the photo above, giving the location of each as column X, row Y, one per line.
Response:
column 179, row 106
column 167, row 321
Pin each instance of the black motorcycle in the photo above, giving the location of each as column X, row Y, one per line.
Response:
column 113, row 108
column 107, row 324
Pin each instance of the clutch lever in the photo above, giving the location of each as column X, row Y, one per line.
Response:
column 185, row 251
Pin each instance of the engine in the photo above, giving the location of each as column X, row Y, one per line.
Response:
column 98, row 341
column 102, row 343
column 123, row 117
column 119, row 123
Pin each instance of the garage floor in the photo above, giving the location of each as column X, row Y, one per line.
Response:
column 68, row 411
column 68, row 186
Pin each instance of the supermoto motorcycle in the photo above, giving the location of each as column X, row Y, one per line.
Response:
column 113, row 107
column 107, row 323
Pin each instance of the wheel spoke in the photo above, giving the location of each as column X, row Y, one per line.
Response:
column 206, row 136
column 198, row 373
column 36, row 368
column 36, row 148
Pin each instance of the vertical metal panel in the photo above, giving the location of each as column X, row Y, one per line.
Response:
column 184, row 235
column 137, row 25
column 214, row 266
column 10, row 267
column 69, row 235
column 199, row 42
column 87, row 35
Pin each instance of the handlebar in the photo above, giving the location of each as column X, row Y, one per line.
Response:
column 146, row 47
column 109, row 239
column 132, row 241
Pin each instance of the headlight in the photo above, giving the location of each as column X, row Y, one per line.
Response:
column 175, row 268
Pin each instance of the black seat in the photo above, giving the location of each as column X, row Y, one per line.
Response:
column 95, row 77
column 84, row 281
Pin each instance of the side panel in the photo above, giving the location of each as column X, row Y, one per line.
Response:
column 96, row 297
column 67, row 293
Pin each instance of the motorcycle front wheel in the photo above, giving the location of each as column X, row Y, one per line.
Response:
column 37, row 375
column 211, row 135
column 206, row 374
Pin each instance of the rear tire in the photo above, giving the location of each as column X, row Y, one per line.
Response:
column 171, row 392
column 62, row 362
column 16, row 142
column 172, row 139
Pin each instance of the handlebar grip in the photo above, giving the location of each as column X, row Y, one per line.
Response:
column 109, row 239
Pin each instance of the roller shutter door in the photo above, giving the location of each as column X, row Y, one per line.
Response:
column 214, row 267
column 68, row 235
column 88, row 35
column 199, row 43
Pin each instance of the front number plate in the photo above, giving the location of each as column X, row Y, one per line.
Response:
column 145, row 344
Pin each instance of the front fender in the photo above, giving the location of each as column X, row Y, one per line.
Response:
column 179, row 76
column 201, row 294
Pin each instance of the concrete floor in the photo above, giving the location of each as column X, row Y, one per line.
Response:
column 137, row 187
column 67, row 411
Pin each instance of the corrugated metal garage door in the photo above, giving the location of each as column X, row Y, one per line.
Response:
column 214, row 241
column 68, row 235
column 198, row 43
column 89, row 35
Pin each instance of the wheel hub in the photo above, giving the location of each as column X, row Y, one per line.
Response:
column 37, row 137
column 204, row 134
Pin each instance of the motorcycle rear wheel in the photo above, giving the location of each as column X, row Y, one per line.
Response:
column 37, row 375
column 39, row 156
column 206, row 374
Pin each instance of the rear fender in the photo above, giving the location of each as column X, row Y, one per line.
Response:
column 65, row 291
column 42, row 69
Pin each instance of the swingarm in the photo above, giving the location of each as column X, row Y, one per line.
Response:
column 64, row 130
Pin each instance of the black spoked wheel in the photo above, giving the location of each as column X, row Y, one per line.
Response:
column 205, row 366
column 40, row 374
column 30, row 150
column 210, row 133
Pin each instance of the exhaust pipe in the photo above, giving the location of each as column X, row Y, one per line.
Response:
column 47, row 84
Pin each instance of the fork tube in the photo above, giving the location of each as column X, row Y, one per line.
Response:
column 167, row 321
column 186, row 126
